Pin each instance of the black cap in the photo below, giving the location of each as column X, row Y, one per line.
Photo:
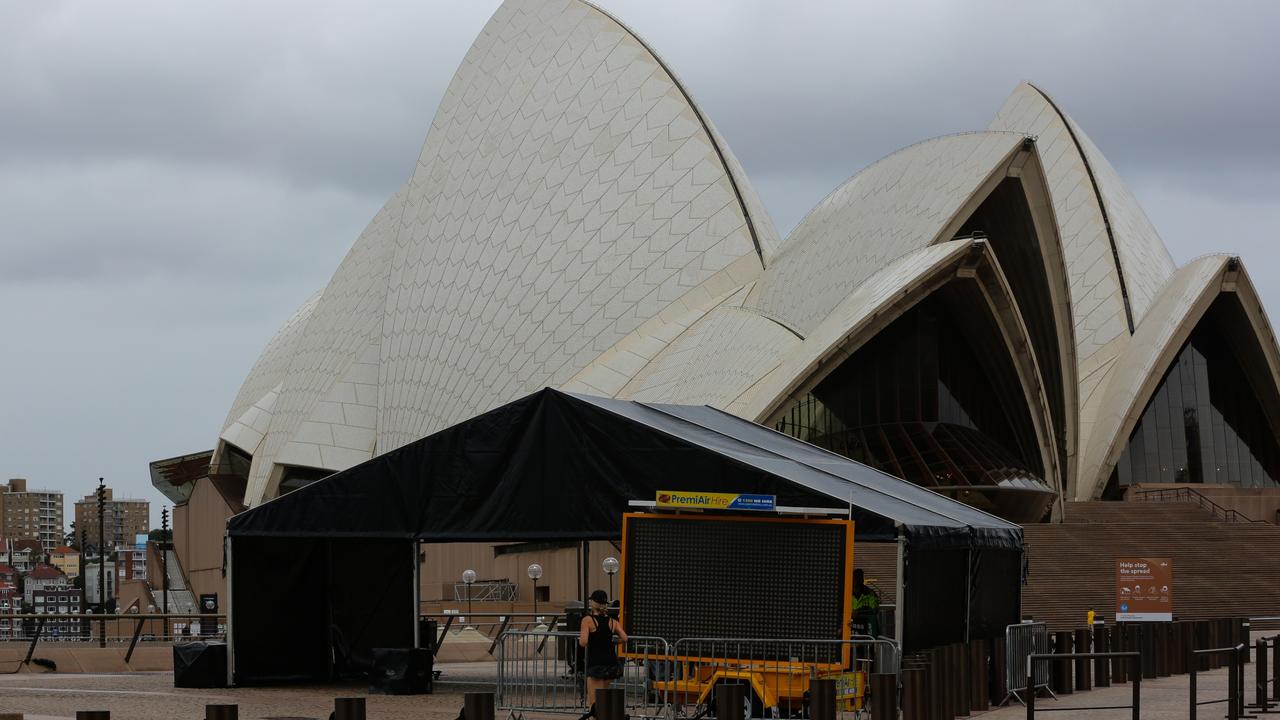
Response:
column 600, row 596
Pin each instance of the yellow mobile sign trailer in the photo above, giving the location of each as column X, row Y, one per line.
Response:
column 708, row 574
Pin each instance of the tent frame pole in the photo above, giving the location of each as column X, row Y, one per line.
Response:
column 968, row 592
column 586, row 572
column 900, row 597
column 416, row 576
column 231, row 635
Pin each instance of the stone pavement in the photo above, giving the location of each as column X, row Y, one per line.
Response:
column 1162, row 699
column 151, row 696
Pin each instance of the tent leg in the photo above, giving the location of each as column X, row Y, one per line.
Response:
column 416, row 576
column 586, row 572
column 231, row 636
column 968, row 592
column 899, row 599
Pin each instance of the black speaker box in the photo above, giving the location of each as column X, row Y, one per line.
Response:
column 401, row 671
column 200, row 665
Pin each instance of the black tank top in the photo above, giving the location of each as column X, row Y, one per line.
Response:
column 600, row 642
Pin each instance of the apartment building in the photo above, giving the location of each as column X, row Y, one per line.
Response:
column 125, row 518
column 31, row 514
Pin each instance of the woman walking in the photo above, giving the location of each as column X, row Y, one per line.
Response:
column 597, row 635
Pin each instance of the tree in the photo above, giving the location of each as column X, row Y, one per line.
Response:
column 160, row 535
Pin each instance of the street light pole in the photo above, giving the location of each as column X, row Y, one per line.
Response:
column 610, row 566
column 468, row 577
column 85, row 628
column 102, row 561
column 535, row 572
column 164, row 565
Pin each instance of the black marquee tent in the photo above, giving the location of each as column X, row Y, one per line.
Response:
column 320, row 576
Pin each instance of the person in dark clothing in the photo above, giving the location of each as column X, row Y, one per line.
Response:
column 597, row 635
column 866, row 606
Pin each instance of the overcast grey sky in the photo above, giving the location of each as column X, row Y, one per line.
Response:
column 177, row 177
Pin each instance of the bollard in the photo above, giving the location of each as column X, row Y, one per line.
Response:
column 936, row 694
column 93, row 715
column 1203, row 635
column 884, row 697
column 221, row 712
column 978, row 678
column 477, row 706
column 353, row 708
column 730, row 700
column 1260, row 675
column 1233, row 687
column 999, row 685
column 913, row 687
column 1162, row 650
column 1275, row 667
column 822, row 699
column 1119, row 643
column 1101, row 644
column 1061, row 671
column 960, row 681
column 1182, row 635
column 611, row 704
column 1084, row 680
column 1150, row 657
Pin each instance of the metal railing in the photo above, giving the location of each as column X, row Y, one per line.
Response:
column 1183, row 494
column 777, row 672
column 1043, row 660
column 1266, row 690
column 490, row 624
column 545, row 673
column 1021, row 641
column 486, row 591
column 1235, row 676
column 107, row 630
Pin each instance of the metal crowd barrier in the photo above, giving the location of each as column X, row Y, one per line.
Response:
column 778, row 674
column 1038, row 660
column 1266, row 690
column 1235, row 676
column 544, row 672
column 1021, row 641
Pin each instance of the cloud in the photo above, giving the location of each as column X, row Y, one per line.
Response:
column 176, row 178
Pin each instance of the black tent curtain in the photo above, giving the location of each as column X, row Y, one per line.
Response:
column 313, row 609
column 550, row 466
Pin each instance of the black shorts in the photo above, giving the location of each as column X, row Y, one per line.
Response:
column 605, row 672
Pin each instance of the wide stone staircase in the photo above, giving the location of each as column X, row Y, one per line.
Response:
column 181, row 599
column 1220, row 568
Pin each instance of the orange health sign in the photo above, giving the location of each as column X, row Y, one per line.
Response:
column 1144, row 589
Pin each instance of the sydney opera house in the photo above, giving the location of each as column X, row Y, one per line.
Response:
column 989, row 314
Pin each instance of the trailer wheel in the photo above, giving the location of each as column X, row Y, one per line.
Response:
column 752, row 706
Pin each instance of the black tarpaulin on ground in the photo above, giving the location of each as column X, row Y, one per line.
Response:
column 552, row 465
column 556, row 465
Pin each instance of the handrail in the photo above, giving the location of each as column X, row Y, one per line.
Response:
column 1135, row 658
column 1186, row 494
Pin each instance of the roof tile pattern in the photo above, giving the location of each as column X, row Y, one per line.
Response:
column 693, row 368
column 898, row 205
column 566, row 193
column 1097, row 302
column 273, row 364
column 346, row 319
column 1144, row 259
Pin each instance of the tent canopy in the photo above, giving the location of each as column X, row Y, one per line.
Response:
column 556, row 465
